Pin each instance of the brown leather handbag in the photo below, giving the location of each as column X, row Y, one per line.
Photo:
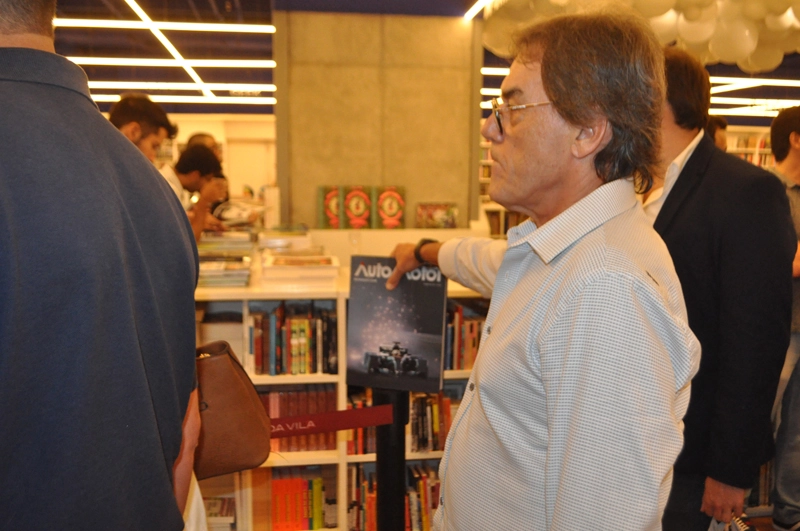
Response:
column 235, row 429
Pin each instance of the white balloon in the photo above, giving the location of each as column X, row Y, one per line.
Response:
column 665, row 26
column 777, row 7
column 790, row 43
column 696, row 32
column 653, row 8
column 754, row 9
column 497, row 33
column 746, row 66
column 766, row 57
column 728, row 9
column 779, row 22
column 734, row 40
column 700, row 51
column 692, row 13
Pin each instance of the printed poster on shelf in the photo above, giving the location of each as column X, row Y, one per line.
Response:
column 395, row 339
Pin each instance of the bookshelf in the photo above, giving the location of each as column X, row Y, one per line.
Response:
column 751, row 144
column 238, row 303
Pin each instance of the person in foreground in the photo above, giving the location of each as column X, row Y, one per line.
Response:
column 572, row 415
column 785, row 137
column 728, row 228
column 97, row 274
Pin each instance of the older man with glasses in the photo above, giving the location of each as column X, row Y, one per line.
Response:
column 572, row 415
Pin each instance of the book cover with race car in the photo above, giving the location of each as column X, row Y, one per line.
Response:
column 395, row 338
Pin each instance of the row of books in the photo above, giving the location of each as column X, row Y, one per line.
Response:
column 361, row 207
column 421, row 501
column 430, row 417
column 754, row 141
column 465, row 319
column 292, row 401
column 292, row 338
column 378, row 207
column 361, row 441
column 761, row 495
column 759, row 159
column 220, row 513
column 292, row 499
column 502, row 220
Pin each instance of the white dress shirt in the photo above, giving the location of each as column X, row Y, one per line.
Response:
column 571, row 418
column 654, row 202
column 172, row 180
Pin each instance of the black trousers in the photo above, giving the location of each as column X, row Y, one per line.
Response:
column 683, row 507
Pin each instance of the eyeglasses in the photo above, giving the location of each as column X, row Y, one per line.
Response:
column 498, row 106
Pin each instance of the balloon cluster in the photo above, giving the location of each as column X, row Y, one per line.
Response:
column 753, row 34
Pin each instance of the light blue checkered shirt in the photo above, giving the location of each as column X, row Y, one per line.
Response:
column 572, row 415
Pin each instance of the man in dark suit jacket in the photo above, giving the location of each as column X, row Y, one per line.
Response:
column 729, row 231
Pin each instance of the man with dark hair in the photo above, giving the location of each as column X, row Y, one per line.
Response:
column 198, row 170
column 572, row 415
column 716, row 127
column 143, row 122
column 205, row 139
column 727, row 226
column 785, row 139
column 97, row 278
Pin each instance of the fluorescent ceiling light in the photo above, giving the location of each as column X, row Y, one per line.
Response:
column 166, row 43
column 491, row 92
column 195, row 99
column 147, row 85
column 200, row 63
column 475, row 9
column 489, row 71
column 169, row 26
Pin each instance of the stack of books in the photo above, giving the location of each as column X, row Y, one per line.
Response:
column 224, row 271
column 311, row 266
column 225, row 258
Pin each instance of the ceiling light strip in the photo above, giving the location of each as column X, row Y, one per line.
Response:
column 236, row 100
column 167, row 44
column 168, row 26
column 158, row 85
column 493, row 71
column 491, row 92
column 731, row 87
column 476, row 8
column 198, row 63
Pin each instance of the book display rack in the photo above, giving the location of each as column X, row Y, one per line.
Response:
column 306, row 376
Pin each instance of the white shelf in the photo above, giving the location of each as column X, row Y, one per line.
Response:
column 322, row 457
column 457, row 375
column 410, row 456
column 291, row 379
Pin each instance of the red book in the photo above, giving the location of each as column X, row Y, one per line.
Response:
column 330, row 400
column 313, row 398
column 302, row 409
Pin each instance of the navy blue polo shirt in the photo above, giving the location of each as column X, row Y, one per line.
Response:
column 97, row 274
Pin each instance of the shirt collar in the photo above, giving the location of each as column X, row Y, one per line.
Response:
column 37, row 66
column 549, row 240
column 676, row 166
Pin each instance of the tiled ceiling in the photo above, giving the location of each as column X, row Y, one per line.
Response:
column 143, row 44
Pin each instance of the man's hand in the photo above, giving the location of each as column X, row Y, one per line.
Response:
column 722, row 501
column 404, row 254
column 213, row 224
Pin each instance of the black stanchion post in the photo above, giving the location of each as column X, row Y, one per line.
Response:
column 391, row 461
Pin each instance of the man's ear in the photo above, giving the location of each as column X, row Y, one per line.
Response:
column 794, row 140
column 132, row 131
column 592, row 138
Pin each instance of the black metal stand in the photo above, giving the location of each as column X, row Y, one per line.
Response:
column 390, row 459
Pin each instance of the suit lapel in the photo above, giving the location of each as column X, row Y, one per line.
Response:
column 688, row 180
